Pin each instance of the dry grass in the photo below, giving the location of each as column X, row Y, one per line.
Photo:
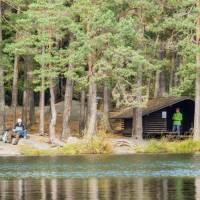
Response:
column 97, row 145
column 164, row 146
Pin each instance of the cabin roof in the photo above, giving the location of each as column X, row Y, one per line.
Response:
column 153, row 105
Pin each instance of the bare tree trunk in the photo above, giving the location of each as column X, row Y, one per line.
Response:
column 176, row 76
column 88, row 110
column 2, row 92
column 67, row 109
column 57, row 90
column 107, row 109
column 197, row 90
column 137, row 131
column 31, row 102
column 52, row 126
column 92, row 117
column 148, row 92
column 25, row 107
column 15, row 82
column 42, row 110
column 31, row 107
column 157, row 84
column 28, row 96
column 42, row 102
column 2, row 101
column 197, row 102
column 25, row 93
column 15, row 88
column 92, row 101
column 82, row 112
column 172, row 71
column 160, row 83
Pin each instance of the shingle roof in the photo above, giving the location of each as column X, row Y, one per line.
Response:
column 152, row 106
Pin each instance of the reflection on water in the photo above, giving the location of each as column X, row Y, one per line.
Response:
column 137, row 177
column 103, row 188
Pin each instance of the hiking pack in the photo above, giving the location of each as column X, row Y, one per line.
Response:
column 5, row 136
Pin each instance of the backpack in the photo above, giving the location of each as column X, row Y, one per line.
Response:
column 5, row 138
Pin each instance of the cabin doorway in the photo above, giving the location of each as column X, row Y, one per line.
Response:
column 187, row 109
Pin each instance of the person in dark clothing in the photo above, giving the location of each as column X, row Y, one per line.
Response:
column 19, row 131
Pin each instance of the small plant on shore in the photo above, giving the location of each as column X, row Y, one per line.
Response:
column 164, row 146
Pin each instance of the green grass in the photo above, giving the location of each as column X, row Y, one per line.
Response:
column 94, row 146
column 164, row 146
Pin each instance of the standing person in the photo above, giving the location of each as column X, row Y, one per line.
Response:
column 20, row 129
column 177, row 121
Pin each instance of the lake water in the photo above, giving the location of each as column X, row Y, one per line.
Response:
column 137, row 177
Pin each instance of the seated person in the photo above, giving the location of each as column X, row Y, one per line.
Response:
column 20, row 129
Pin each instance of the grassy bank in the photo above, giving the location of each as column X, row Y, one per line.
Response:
column 164, row 146
column 94, row 146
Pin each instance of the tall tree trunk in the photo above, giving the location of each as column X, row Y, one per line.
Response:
column 137, row 130
column 52, row 126
column 42, row 102
column 92, row 115
column 42, row 109
column 57, row 90
column 15, row 82
column 197, row 90
column 176, row 76
column 67, row 109
column 25, row 93
column 174, row 80
column 172, row 71
column 106, row 104
column 31, row 102
column 160, row 82
column 148, row 92
column 82, row 113
column 92, row 98
column 88, row 110
column 2, row 101
column 28, row 102
column 197, row 102
column 25, row 107
column 15, row 88
column 31, row 107
column 2, row 92
column 157, row 84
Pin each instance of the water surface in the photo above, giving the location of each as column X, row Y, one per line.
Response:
column 101, row 177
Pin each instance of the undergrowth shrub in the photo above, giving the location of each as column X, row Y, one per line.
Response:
column 164, row 146
column 96, row 145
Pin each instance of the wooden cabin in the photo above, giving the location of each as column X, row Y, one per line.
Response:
column 157, row 116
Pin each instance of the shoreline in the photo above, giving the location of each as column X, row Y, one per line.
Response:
column 38, row 146
column 112, row 154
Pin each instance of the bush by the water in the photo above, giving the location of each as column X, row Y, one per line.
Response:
column 164, row 146
column 95, row 145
